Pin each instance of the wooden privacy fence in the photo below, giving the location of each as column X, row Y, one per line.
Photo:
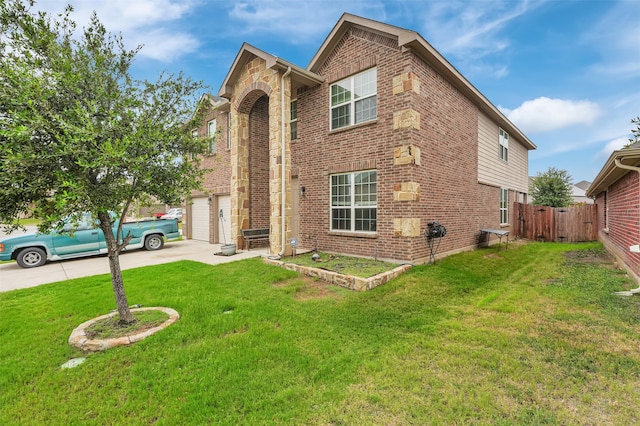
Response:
column 563, row 224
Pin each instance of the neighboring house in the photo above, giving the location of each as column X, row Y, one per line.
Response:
column 378, row 136
column 616, row 189
column 578, row 192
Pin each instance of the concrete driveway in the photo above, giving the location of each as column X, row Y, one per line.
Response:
column 14, row 277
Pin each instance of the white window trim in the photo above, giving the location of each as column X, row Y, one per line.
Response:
column 212, row 143
column 504, row 209
column 503, row 148
column 352, row 206
column 352, row 101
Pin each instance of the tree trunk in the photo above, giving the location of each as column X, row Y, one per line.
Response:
column 116, row 273
column 118, row 288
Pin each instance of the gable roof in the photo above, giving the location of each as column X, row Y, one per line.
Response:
column 299, row 76
column 414, row 42
column 583, row 184
column 611, row 173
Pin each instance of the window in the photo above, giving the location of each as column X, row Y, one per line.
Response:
column 504, row 206
column 504, row 145
column 354, row 201
column 354, row 100
column 211, row 132
column 294, row 119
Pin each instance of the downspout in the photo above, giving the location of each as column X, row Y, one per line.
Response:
column 283, row 164
column 635, row 169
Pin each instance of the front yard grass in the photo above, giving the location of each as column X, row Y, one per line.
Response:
column 528, row 335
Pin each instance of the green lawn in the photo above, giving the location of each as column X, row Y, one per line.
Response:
column 528, row 335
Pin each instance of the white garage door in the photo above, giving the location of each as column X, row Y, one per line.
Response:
column 224, row 219
column 200, row 219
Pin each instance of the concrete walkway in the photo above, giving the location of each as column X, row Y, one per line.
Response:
column 13, row 277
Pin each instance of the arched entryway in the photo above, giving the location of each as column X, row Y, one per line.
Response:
column 259, row 88
column 258, row 166
column 257, row 171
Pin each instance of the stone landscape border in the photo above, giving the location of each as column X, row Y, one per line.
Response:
column 348, row 281
column 80, row 340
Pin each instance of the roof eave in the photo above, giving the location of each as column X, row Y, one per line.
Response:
column 299, row 74
column 610, row 173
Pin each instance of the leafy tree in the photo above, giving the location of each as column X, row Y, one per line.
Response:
column 635, row 133
column 551, row 188
column 78, row 133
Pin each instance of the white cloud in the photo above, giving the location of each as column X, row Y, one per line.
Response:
column 142, row 22
column 164, row 45
column 544, row 114
column 613, row 145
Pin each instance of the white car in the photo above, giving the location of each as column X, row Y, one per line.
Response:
column 173, row 214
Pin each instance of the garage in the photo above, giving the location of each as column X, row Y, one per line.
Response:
column 200, row 223
column 224, row 219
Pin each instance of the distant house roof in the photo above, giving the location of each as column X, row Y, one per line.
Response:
column 611, row 172
column 576, row 191
column 583, row 184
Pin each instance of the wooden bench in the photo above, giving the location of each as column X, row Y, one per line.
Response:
column 256, row 234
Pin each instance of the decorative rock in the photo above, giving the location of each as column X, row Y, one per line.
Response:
column 73, row 362
column 79, row 339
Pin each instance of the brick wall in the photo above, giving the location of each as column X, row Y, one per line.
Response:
column 259, row 164
column 216, row 181
column 442, row 125
column 623, row 202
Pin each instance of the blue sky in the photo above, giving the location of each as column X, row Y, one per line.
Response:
column 566, row 72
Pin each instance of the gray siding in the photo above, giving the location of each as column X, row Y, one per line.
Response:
column 491, row 169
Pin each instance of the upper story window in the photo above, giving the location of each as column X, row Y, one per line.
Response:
column 211, row 132
column 504, row 145
column 354, row 100
column 354, row 201
column 504, row 206
column 294, row 119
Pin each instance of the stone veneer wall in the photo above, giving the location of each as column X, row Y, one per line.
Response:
column 254, row 82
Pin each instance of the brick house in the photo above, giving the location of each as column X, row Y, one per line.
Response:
column 357, row 152
column 616, row 189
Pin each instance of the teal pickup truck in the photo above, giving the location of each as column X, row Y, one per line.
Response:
column 84, row 238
